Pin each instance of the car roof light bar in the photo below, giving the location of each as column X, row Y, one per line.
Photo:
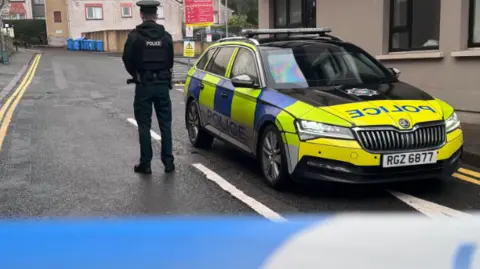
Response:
column 254, row 32
column 233, row 38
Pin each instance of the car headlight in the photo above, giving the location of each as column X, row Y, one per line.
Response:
column 310, row 130
column 452, row 123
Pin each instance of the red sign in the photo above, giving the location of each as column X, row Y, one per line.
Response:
column 198, row 12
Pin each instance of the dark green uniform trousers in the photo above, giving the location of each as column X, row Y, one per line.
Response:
column 157, row 95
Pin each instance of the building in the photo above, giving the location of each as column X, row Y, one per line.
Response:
column 25, row 9
column 72, row 18
column 82, row 16
column 434, row 43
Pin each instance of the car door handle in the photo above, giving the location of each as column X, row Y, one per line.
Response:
column 224, row 94
column 202, row 86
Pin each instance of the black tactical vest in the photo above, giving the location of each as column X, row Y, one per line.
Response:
column 154, row 55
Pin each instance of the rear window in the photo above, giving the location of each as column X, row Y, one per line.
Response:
column 316, row 64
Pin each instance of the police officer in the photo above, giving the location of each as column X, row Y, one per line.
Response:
column 148, row 58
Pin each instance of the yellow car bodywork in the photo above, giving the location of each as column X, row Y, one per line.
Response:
column 250, row 110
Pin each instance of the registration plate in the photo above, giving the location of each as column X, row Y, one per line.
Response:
column 409, row 159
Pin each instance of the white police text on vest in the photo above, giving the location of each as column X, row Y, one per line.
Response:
column 154, row 43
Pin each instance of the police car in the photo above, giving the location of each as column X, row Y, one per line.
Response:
column 309, row 105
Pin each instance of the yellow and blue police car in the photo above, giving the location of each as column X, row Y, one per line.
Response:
column 309, row 105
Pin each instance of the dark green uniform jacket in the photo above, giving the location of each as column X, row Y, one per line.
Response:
column 148, row 94
column 131, row 57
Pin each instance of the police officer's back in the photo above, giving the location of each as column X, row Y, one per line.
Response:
column 148, row 58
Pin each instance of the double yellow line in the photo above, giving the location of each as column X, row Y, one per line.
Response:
column 6, row 112
column 468, row 175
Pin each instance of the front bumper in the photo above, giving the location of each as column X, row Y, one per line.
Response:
column 322, row 162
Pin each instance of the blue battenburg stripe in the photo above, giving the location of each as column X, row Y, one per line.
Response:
column 194, row 85
column 223, row 98
column 145, row 243
column 270, row 103
column 464, row 256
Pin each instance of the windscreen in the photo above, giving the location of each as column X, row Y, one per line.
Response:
column 316, row 64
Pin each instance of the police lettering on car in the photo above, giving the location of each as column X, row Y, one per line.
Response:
column 148, row 58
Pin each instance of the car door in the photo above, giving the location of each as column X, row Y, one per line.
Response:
column 215, row 99
column 244, row 101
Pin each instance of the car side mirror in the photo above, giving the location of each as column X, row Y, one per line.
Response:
column 395, row 71
column 243, row 81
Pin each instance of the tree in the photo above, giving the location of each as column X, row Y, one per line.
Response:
column 248, row 8
column 238, row 20
column 4, row 8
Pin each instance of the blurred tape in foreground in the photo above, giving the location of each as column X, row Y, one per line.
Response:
column 339, row 241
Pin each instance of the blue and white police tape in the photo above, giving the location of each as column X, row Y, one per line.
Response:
column 339, row 241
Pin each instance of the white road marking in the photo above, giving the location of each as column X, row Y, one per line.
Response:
column 249, row 201
column 152, row 133
column 428, row 208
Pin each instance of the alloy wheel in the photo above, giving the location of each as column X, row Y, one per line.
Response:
column 193, row 121
column 271, row 155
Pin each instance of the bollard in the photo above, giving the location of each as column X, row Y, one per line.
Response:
column 5, row 57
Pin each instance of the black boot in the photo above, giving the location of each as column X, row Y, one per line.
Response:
column 142, row 169
column 169, row 168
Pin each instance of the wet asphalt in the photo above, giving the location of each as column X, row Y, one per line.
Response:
column 70, row 151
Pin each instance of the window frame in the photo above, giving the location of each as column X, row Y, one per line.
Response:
column 255, row 60
column 235, row 47
column 304, row 22
column 91, row 5
column 471, row 25
column 37, row 4
column 203, row 56
column 55, row 16
column 126, row 5
column 408, row 28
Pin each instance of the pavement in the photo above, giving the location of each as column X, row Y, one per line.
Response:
column 71, row 144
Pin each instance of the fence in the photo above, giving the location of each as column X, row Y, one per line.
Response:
column 217, row 32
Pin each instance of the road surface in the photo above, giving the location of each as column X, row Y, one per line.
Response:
column 71, row 144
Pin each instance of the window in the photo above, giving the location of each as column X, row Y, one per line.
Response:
column 203, row 61
column 126, row 10
column 218, row 65
column 39, row 2
column 294, row 13
column 94, row 12
column 57, row 16
column 17, row 16
column 414, row 25
column 244, row 64
column 280, row 13
column 474, row 29
column 320, row 65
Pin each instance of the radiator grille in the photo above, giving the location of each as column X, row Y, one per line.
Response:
column 392, row 140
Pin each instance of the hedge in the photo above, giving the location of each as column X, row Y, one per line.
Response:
column 31, row 31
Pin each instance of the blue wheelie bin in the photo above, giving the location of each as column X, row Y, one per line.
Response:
column 99, row 46
column 91, row 45
column 69, row 44
column 76, row 45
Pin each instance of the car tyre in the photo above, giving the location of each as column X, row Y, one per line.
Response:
column 198, row 136
column 273, row 161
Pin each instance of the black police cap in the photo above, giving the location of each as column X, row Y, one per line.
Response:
column 148, row 6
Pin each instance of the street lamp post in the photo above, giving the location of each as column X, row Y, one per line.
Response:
column 226, row 17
